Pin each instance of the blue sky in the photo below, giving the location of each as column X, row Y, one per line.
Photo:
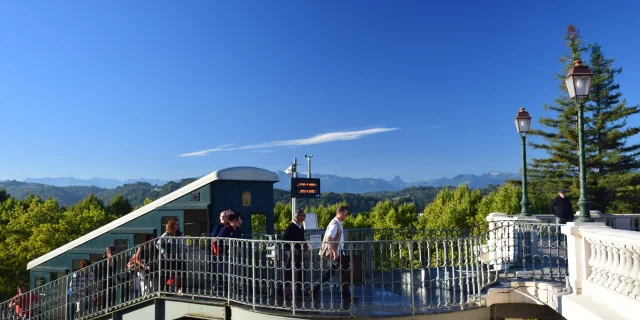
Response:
column 421, row 89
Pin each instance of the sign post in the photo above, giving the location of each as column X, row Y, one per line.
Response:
column 294, row 175
column 309, row 176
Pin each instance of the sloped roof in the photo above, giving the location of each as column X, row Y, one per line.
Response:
column 233, row 174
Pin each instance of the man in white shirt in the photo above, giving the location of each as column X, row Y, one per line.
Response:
column 332, row 246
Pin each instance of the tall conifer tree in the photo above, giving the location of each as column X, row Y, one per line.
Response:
column 612, row 183
column 560, row 141
column 612, row 161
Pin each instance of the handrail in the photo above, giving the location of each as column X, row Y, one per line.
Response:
column 447, row 272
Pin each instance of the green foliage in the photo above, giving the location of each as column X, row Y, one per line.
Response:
column 451, row 209
column 282, row 216
column 506, row 199
column 33, row 227
column 326, row 213
column 390, row 215
column 361, row 220
column 4, row 195
column 119, row 206
column 258, row 224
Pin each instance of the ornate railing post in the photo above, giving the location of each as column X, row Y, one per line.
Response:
column 253, row 273
column 293, row 277
column 411, row 280
column 108, row 287
column 230, row 254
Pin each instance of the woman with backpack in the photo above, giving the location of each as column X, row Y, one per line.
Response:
column 171, row 259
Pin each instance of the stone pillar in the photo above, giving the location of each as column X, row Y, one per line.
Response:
column 578, row 253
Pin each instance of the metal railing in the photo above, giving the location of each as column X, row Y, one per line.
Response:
column 429, row 272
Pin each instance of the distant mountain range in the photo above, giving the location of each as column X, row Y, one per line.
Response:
column 337, row 184
column 361, row 194
column 329, row 182
column 97, row 182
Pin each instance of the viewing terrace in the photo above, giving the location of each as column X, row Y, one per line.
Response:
column 509, row 268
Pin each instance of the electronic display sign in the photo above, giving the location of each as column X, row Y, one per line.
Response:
column 305, row 188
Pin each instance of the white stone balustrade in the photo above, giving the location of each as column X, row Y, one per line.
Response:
column 623, row 221
column 615, row 260
column 604, row 268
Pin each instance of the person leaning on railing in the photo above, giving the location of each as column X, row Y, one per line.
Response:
column 332, row 246
column 224, row 221
column 23, row 302
column 140, row 265
column 232, row 231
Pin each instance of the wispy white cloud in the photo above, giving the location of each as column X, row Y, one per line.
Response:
column 317, row 139
column 261, row 151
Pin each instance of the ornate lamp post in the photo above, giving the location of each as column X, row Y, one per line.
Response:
column 578, row 83
column 523, row 123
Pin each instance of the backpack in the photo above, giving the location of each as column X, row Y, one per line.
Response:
column 214, row 247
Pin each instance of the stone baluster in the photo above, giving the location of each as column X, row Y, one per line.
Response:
column 606, row 263
column 632, row 267
column 612, row 271
column 602, row 260
column 602, row 273
column 596, row 263
column 635, row 273
column 593, row 261
column 623, row 269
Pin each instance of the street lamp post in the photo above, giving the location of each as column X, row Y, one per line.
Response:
column 578, row 82
column 523, row 123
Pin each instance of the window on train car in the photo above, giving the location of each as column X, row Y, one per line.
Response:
column 56, row 275
column 121, row 245
column 196, row 223
column 95, row 257
column 40, row 281
column 138, row 238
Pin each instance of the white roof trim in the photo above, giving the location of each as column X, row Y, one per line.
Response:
column 232, row 174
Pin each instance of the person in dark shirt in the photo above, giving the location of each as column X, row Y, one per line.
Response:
column 294, row 232
column 226, row 255
column 233, row 231
column 562, row 208
column 224, row 221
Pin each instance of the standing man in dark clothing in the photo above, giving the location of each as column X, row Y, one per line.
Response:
column 562, row 208
column 294, row 232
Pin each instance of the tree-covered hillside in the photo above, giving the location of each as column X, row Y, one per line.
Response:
column 136, row 193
